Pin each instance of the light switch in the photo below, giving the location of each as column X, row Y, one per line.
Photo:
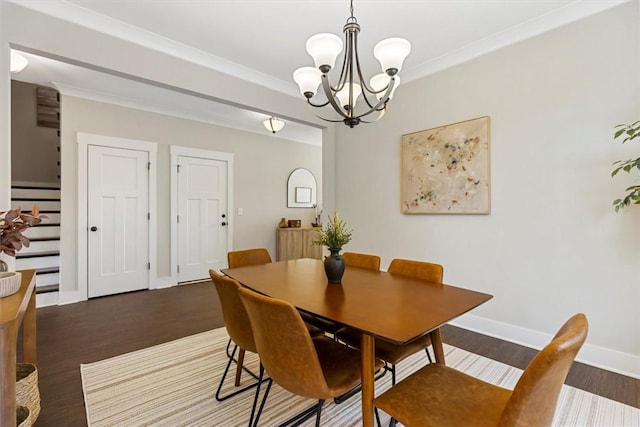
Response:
column 240, row 211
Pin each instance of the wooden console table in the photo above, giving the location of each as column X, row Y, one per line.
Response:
column 16, row 310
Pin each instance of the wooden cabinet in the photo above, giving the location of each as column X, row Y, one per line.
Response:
column 294, row 243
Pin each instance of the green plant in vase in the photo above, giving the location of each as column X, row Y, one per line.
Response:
column 629, row 132
column 334, row 237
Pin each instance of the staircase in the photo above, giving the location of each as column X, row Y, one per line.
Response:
column 43, row 255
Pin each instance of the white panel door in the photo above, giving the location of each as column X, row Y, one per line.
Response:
column 118, row 224
column 202, row 217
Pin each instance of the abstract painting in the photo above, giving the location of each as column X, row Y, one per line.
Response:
column 445, row 170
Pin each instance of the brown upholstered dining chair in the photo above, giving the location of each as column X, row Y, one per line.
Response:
column 242, row 258
column 389, row 352
column 257, row 256
column 312, row 367
column 437, row 395
column 238, row 327
column 354, row 259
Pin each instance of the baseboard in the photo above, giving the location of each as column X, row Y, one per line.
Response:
column 600, row 357
column 164, row 282
column 47, row 299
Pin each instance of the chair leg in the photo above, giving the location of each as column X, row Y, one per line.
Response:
column 239, row 366
column 428, row 354
column 392, row 422
column 264, row 399
column 375, row 411
column 221, row 398
column 393, row 375
column 320, row 403
column 303, row 416
column 255, row 398
column 228, row 347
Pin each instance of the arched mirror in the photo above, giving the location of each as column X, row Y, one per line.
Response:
column 301, row 189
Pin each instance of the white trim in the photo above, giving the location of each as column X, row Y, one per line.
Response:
column 177, row 151
column 47, row 299
column 590, row 354
column 84, row 140
column 36, row 184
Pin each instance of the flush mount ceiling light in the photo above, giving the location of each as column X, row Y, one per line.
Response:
column 351, row 85
column 18, row 62
column 273, row 124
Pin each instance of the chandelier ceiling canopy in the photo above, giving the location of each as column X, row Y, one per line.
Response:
column 351, row 85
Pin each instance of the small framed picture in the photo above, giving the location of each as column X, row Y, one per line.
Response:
column 303, row 195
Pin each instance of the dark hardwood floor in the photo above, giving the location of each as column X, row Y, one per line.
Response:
column 104, row 327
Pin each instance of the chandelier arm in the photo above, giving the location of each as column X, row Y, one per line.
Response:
column 317, row 105
column 383, row 100
column 331, row 98
column 323, row 118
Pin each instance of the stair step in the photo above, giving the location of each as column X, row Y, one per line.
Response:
column 27, row 204
column 31, row 193
column 43, row 239
column 43, row 230
column 47, row 270
column 52, row 278
column 37, row 263
column 37, row 254
column 47, row 288
column 41, row 246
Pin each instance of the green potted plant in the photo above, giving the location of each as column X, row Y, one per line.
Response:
column 629, row 132
column 334, row 237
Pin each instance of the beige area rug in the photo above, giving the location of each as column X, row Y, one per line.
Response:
column 174, row 384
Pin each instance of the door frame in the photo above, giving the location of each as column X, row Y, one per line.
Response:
column 84, row 141
column 177, row 151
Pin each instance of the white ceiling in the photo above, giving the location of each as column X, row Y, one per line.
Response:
column 263, row 41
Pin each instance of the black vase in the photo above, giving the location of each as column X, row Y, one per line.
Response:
column 334, row 266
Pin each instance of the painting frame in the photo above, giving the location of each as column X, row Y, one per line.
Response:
column 446, row 169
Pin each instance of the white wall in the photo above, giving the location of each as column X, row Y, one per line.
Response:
column 552, row 245
column 35, row 148
column 262, row 164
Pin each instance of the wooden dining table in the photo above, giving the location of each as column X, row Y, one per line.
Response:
column 378, row 304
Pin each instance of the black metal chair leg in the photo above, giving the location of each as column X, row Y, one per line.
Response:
column 220, row 398
column 392, row 422
column 320, row 403
column 378, row 423
column 264, row 399
column 428, row 354
column 255, row 398
column 393, row 375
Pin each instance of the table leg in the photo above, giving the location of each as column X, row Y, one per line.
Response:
column 367, row 354
column 436, row 343
column 29, row 331
column 8, row 370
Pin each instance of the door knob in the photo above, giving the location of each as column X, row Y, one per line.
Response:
column 224, row 223
column 94, row 228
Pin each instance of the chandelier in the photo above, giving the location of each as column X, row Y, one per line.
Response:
column 351, row 86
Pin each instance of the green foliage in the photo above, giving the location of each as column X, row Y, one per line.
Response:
column 628, row 133
column 336, row 235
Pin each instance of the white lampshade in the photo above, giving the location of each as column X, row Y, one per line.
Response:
column 324, row 48
column 392, row 52
column 18, row 62
column 380, row 82
column 273, row 124
column 308, row 79
column 343, row 95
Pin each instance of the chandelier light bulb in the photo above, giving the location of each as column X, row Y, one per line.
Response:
column 379, row 84
column 343, row 96
column 324, row 48
column 308, row 80
column 273, row 124
column 391, row 53
column 18, row 62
